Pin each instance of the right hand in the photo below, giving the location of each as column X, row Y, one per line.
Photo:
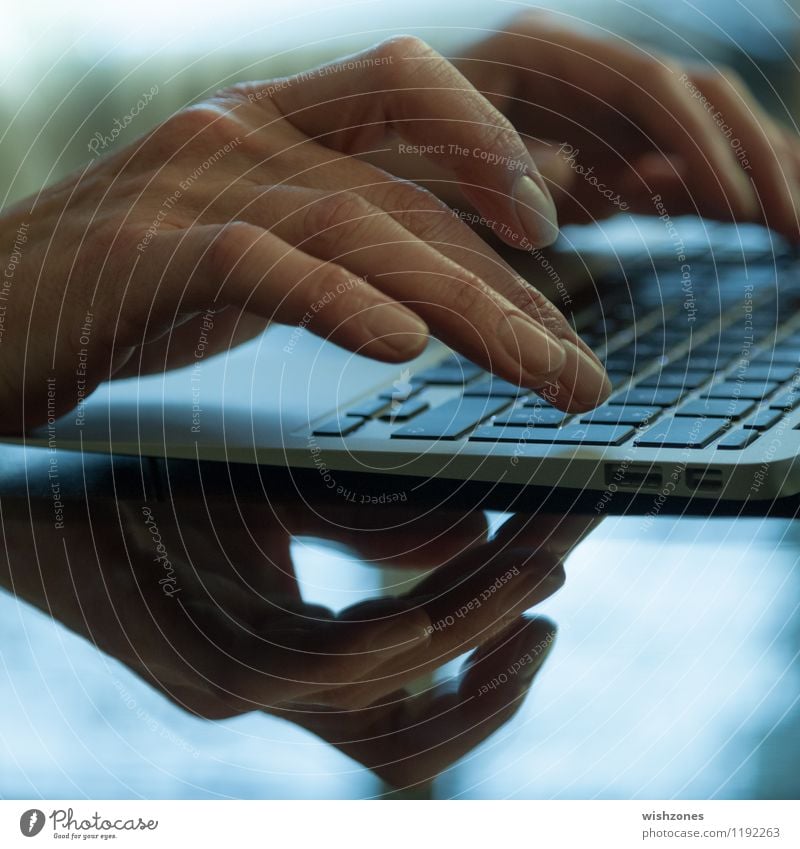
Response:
column 287, row 224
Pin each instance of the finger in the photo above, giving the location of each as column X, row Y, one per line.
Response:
column 400, row 536
column 648, row 92
column 466, row 602
column 582, row 381
column 680, row 123
column 467, row 294
column 250, row 268
column 294, row 659
column 757, row 145
column 459, row 306
column 403, row 85
column 408, row 740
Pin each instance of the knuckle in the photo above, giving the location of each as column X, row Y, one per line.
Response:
column 230, row 244
column 469, row 297
column 330, row 280
column 533, row 303
column 528, row 20
column 498, row 134
column 332, row 211
column 197, row 131
column 402, row 47
column 405, row 196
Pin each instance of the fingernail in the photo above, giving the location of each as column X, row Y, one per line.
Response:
column 396, row 327
column 538, row 352
column 749, row 207
column 536, row 211
column 583, row 379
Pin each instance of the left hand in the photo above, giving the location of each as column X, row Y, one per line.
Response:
column 201, row 601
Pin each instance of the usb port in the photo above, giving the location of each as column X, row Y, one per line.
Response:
column 707, row 480
column 633, row 476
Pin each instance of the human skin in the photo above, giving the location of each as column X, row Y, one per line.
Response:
column 264, row 204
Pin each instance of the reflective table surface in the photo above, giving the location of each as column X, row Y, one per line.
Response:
column 164, row 644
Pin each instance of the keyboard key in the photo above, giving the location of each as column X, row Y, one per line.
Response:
column 495, row 387
column 697, row 362
column 737, row 439
column 777, row 356
column 368, row 409
column 452, row 419
column 449, row 375
column 715, row 408
column 680, row 433
column 568, row 435
column 532, row 417
column 647, row 397
column 741, row 389
column 625, row 363
column 341, row 426
column 718, row 349
column 622, row 415
column 756, row 371
column 685, row 380
column 404, row 412
column 787, row 400
column 763, row 419
column 402, row 390
column 617, row 378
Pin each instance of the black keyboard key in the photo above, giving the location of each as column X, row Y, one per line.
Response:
column 787, row 400
column 340, row 426
column 495, row 387
column 698, row 362
column 741, row 389
column 621, row 415
column 675, row 379
column 368, row 409
column 719, row 349
column 593, row 434
column 715, row 408
column 533, row 417
column 680, row 433
column 737, row 439
column 449, row 375
column 763, row 419
column 569, row 435
column 759, row 372
column 405, row 411
column 626, row 362
column 452, row 419
column 647, row 397
column 617, row 378
column 402, row 390
column 778, row 356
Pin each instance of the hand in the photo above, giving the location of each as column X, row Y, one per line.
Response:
column 613, row 124
column 201, row 601
column 256, row 205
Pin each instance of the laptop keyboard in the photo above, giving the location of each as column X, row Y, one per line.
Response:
column 722, row 372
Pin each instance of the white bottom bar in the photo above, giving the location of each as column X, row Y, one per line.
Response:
column 402, row 824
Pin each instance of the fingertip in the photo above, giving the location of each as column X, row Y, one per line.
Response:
column 393, row 333
column 536, row 211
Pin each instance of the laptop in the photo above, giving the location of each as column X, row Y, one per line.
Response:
column 699, row 328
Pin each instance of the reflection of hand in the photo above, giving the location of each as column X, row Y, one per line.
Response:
column 639, row 124
column 256, row 202
column 206, row 608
